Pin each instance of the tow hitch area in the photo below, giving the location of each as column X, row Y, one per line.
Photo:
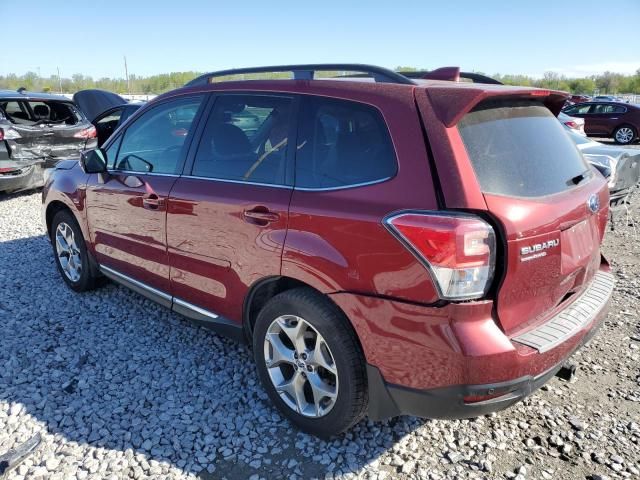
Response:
column 13, row 458
column 567, row 372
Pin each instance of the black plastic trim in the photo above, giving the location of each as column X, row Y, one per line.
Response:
column 307, row 71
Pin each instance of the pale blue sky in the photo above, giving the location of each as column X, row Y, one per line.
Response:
column 91, row 36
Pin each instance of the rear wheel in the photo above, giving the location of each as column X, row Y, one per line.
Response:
column 70, row 252
column 624, row 134
column 310, row 362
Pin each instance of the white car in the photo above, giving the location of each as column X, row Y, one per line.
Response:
column 573, row 123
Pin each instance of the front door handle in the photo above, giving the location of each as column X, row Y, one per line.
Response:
column 260, row 216
column 151, row 201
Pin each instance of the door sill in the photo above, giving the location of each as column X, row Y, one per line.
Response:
column 198, row 315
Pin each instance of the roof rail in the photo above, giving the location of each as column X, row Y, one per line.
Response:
column 307, row 72
column 439, row 73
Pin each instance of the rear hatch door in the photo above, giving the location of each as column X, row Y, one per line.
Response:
column 47, row 130
column 549, row 206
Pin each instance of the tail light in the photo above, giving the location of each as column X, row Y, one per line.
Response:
column 458, row 250
column 87, row 133
column 9, row 134
column 572, row 124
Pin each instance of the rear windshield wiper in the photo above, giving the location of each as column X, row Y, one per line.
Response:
column 578, row 178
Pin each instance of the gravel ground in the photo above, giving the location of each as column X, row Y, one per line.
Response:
column 121, row 388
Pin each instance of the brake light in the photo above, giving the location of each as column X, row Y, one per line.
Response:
column 9, row 134
column 540, row 93
column 458, row 250
column 571, row 124
column 87, row 133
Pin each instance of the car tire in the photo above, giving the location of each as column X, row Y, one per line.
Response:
column 70, row 252
column 625, row 134
column 322, row 377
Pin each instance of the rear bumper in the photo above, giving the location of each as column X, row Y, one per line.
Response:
column 457, row 363
column 30, row 177
column 391, row 400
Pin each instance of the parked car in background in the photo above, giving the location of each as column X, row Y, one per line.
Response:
column 373, row 271
column 620, row 121
column 606, row 98
column 572, row 123
column 579, row 98
column 37, row 130
column 621, row 166
column 106, row 110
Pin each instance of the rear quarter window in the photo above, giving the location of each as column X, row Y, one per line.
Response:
column 342, row 144
column 518, row 148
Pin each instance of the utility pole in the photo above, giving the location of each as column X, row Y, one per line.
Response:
column 126, row 74
column 59, row 79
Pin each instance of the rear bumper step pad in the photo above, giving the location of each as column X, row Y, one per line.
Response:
column 573, row 318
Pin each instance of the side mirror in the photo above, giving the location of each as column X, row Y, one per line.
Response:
column 94, row 161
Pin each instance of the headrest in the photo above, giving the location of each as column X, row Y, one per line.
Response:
column 41, row 111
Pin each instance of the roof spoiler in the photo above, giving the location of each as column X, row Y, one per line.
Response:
column 451, row 103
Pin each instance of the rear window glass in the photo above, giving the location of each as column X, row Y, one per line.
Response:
column 32, row 113
column 520, row 149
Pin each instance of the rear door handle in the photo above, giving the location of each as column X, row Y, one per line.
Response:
column 151, row 201
column 260, row 215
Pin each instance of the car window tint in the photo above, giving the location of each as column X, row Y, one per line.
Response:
column 342, row 143
column 518, row 148
column 112, row 117
column 577, row 109
column 608, row 109
column 153, row 142
column 245, row 139
column 112, row 152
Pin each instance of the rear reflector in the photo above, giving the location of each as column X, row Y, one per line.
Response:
column 87, row 133
column 458, row 250
column 572, row 124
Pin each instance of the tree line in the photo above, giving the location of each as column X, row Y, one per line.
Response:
column 605, row 83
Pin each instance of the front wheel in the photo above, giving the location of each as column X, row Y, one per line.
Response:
column 624, row 135
column 310, row 362
column 70, row 252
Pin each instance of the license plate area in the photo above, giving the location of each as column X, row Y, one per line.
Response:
column 578, row 245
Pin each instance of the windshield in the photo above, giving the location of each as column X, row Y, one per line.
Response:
column 518, row 148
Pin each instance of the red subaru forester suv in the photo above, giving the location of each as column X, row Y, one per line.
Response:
column 387, row 245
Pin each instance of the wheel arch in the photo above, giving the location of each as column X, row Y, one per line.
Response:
column 265, row 289
column 52, row 209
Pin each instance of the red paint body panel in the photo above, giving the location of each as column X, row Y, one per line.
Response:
column 215, row 253
column 424, row 347
column 199, row 246
column 126, row 234
column 530, row 290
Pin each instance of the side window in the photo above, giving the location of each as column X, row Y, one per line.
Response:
column 112, row 152
column 16, row 111
column 578, row 109
column 342, row 143
column 609, row 109
column 113, row 117
column 153, row 143
column 246, row 139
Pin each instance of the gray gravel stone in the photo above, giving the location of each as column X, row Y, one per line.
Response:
column 122, row 388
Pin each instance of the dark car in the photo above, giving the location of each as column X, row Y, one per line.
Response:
column 106, row 110
column 620, row 121
column 37, row 130
column 388, row 247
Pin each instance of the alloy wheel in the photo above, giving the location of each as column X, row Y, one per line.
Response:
column 624, row 135
column 68, row 252
column 301, row 366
